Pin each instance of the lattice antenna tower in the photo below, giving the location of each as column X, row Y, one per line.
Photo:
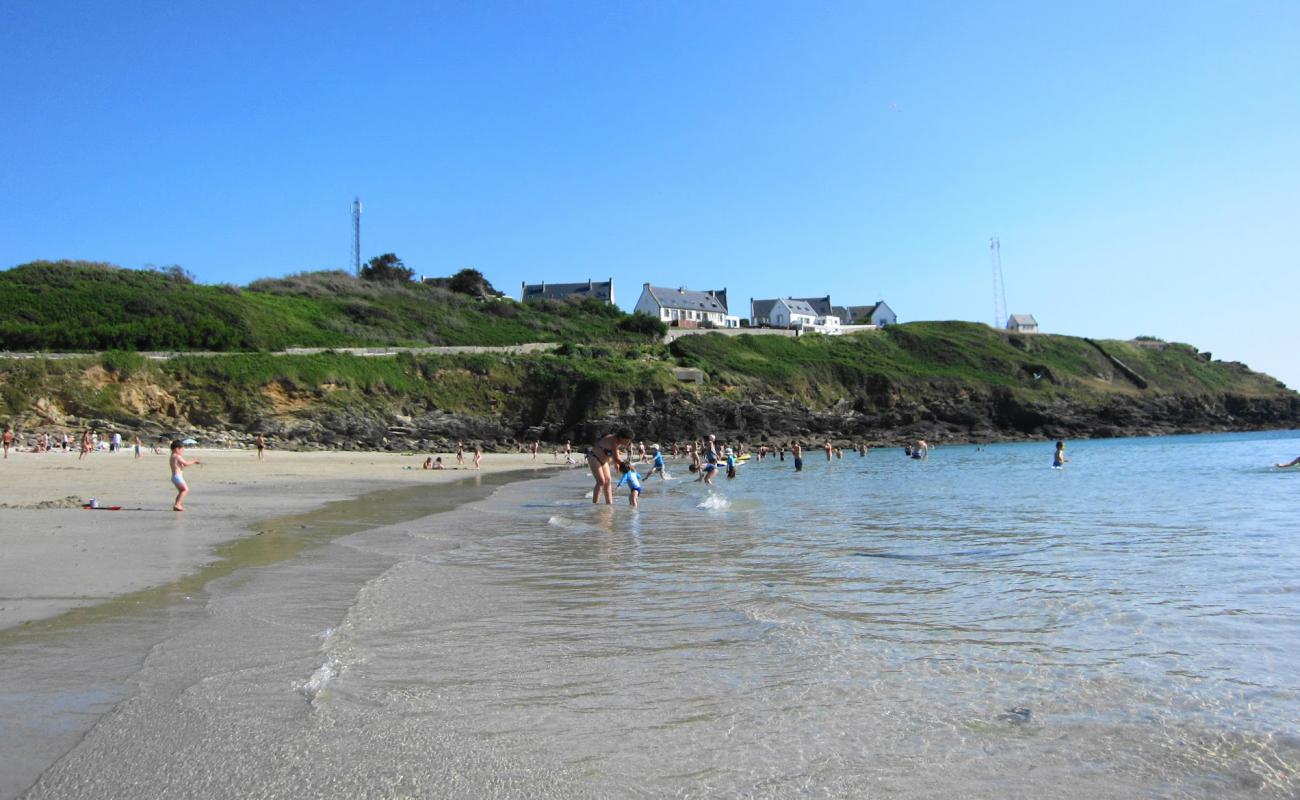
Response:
column 356, row 236
column 999, row 287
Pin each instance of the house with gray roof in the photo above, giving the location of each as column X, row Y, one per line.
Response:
column 789, row 312
column 686, row 308
column 1022, row 323
column 878, row 314
column 760, row 311
column 600, row 290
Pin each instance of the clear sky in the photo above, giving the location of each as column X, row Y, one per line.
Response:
column 1139, row 161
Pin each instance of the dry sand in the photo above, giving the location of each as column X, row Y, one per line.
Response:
column 56, row 556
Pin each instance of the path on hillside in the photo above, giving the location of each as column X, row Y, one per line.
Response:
column 515, row 349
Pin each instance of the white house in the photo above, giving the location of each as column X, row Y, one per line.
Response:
column 686, row 308
column 788, row 312
column 878, row 314
column 760, row 311
column 601, row 290
column 1022, row 323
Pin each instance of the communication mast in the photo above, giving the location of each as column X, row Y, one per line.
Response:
column 999, row 288
column 356, row 235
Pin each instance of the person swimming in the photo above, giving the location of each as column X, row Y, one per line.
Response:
column 1059, row 459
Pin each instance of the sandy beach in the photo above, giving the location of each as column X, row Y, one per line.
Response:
column 56, row 556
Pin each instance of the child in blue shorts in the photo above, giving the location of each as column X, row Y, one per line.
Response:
column 633, row 480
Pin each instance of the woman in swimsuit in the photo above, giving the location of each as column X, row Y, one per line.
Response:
column 599, row 457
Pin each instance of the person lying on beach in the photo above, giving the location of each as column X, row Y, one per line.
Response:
column 178, row 463
column 1295, row 463
column 633, row 480
column 599, row 458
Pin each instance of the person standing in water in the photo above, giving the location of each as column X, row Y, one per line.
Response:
column 633, row 480
column 1058, row 460
column 600, row 457
column 797, row 450
column 657, row 465
column 710, row 462
column 178, row 463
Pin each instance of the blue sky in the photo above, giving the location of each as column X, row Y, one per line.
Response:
column 1140, row 162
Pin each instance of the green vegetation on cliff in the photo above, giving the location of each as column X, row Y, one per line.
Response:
column 961, row 353
column 79, row 306
column 949, row 379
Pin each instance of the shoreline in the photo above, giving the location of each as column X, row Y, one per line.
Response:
column 57, row 558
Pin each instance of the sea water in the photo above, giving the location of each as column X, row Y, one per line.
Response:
column 975, row 624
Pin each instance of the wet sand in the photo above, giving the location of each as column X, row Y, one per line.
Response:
column 57, row 559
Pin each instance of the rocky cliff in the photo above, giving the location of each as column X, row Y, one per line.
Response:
column 944, row 381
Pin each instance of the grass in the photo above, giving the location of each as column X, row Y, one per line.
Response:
column 82, row 306
column 950, row 353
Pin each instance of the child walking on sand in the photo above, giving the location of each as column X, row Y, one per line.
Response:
column 179, row 463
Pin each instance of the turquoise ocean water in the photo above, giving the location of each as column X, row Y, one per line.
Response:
column 973, row 625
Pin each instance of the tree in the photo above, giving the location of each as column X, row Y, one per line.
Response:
column 472, row 282
column 387, row 268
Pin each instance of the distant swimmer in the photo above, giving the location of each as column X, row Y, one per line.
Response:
column 632, row 479
column 1295, row 463
column 1058, row 460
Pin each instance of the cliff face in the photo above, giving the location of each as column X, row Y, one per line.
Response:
column 943, row 381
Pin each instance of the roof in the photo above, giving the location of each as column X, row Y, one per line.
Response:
column 800, row 307
column 712, row 302
column 761, row 308
column 601, row 290
column 1022, row 319
column 821, row 305
column 842, row 312
column 863, row 312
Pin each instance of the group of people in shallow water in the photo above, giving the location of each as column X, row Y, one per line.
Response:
column 707, row 458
